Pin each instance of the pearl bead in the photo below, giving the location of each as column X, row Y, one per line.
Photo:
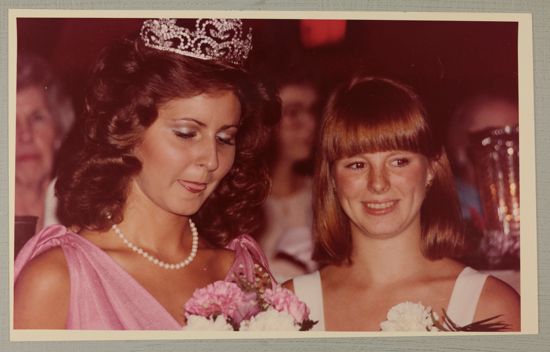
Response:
column 156, row 261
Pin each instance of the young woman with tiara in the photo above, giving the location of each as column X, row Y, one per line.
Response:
column 157, row 186
column 387, row 224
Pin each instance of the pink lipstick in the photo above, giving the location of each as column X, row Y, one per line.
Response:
column 193, row 187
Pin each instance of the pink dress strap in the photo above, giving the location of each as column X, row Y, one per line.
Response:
column 103, row 296
column 51, row 236
column 250, row 260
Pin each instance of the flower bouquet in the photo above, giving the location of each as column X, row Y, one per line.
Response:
column 409, row 316
column 228, row 306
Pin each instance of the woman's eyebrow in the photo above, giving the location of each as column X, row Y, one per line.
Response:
column 202, row 124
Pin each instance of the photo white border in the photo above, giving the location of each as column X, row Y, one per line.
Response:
column 529, row 295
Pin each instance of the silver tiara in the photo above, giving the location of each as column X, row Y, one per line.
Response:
column 212, row 39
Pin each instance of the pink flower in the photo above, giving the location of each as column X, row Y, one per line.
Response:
column 284, row 300
column 223, row 298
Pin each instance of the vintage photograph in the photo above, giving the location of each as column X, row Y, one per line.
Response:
column 288, row 175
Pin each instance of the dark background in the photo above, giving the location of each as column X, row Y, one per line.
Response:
column 445, row 61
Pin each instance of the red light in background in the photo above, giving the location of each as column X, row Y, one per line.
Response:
column 322, row 32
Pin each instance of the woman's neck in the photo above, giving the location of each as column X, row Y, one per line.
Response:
column 151, row 227
column 389, row 260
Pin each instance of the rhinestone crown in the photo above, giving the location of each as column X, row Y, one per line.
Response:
column 212, row 39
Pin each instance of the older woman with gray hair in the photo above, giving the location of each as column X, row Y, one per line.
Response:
column 44, row 115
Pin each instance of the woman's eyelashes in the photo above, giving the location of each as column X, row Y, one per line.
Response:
column 226, row 138
column 223, row 138
column 355, row 165
column 400, row 162
column 394, row 162
column 185, row 134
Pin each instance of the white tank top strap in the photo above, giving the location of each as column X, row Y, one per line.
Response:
column 465, row 296
column 309, row 290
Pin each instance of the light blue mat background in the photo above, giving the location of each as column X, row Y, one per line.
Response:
column 540, row 10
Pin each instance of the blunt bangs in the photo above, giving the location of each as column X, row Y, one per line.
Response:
column 373, row 116
column 370, row 114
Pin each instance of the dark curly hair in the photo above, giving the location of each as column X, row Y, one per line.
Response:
column 128, row 83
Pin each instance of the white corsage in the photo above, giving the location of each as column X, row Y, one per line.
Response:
column 270, row 320
column 197, row 323
column 409, row 316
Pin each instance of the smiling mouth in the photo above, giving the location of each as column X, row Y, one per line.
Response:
column 193, row 187
column 380, row 205
column 380, row 208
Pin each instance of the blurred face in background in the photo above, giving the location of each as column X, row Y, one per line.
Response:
column 493, row 114
column 36, row 137
column 485, row 113
column 296, row 130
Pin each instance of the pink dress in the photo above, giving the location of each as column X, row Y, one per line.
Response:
column 105, row 297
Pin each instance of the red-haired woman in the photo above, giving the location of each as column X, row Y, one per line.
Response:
column 387, row 221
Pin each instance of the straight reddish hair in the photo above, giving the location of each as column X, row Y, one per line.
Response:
column 370, row 114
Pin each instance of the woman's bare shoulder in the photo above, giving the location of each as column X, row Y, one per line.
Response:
column 498, row 298
column 41, row 292
column 45, row 269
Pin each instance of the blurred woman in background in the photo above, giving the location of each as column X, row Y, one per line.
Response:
column 287, row 239
column 485, row 110
column 44, row 115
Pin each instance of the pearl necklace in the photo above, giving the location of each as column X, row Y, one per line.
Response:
column 156, row 261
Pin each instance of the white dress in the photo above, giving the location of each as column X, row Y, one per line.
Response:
column 461, row 309
column 289, row 233
column 50, row 206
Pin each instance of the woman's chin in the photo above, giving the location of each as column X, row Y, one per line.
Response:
column 29, row 180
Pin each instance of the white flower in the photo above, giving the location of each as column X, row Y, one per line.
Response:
column 196, row 323
column 270, row 320
column 408, row 316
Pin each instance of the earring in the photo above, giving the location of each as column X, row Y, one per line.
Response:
column 429, row 182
